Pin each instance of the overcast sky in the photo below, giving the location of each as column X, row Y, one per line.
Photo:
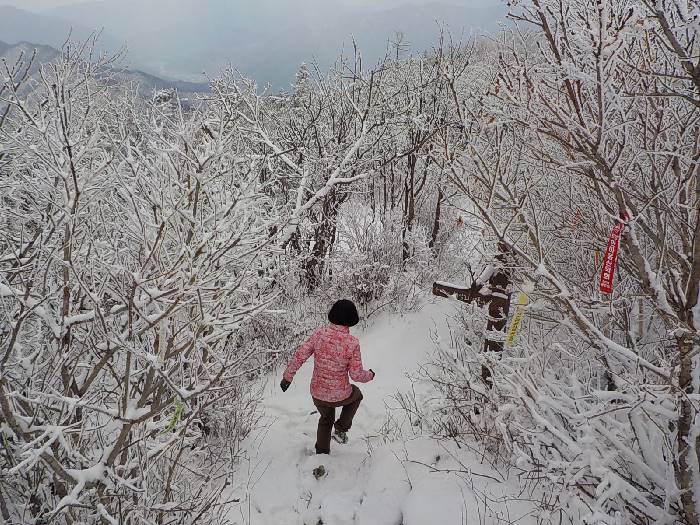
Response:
column 266, row 39
column 38, row 5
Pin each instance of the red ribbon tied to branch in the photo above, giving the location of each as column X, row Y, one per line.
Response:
column 607, row 273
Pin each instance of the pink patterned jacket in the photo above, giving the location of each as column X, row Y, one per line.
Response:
column 336, row 353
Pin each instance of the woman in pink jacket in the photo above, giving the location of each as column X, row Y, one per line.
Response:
column 336, row 354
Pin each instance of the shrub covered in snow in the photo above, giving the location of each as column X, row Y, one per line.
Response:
column 590, row 123
column 141, row 249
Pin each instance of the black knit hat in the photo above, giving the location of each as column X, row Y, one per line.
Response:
column 344, row 313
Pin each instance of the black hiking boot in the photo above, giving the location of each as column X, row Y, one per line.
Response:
column 340, row 436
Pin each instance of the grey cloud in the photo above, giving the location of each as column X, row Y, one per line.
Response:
column 266, row 39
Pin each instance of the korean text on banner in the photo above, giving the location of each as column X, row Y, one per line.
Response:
column 607, row 272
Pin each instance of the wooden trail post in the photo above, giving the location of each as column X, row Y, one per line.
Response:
column 496, row 295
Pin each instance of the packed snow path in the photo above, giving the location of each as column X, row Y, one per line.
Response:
column 368, row 482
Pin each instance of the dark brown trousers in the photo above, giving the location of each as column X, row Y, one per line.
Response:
column 327, row 420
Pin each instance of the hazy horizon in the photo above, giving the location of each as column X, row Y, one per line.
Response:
column 266, row 39
column 42, row 5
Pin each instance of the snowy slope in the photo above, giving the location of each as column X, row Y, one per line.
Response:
column 370, row 481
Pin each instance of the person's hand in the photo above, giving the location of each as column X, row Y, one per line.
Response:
column 373, row 373
column 284, row 385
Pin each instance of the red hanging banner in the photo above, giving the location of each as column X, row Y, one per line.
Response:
column 607, row 273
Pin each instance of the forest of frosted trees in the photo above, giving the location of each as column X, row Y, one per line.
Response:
column 157, row 258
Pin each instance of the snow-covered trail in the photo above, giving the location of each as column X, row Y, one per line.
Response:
column 368, row 482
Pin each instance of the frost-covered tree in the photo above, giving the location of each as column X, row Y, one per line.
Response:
column 592, row 122
column 139, row 242
column 320, row 142
column 127, row 249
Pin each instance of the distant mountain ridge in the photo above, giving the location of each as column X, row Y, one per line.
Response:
column 11, row 53
column 44, row 54
column 18, row 25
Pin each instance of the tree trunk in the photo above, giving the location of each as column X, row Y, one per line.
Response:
column 436, row 222
column 499, row 307
column 324, row 236
column 409, row 206
column 687, row 446
column 385, row 195
column 498, row 300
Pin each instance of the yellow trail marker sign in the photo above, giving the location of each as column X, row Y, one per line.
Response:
column 523, row 301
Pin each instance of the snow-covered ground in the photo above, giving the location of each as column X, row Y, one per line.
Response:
column 371, row 480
